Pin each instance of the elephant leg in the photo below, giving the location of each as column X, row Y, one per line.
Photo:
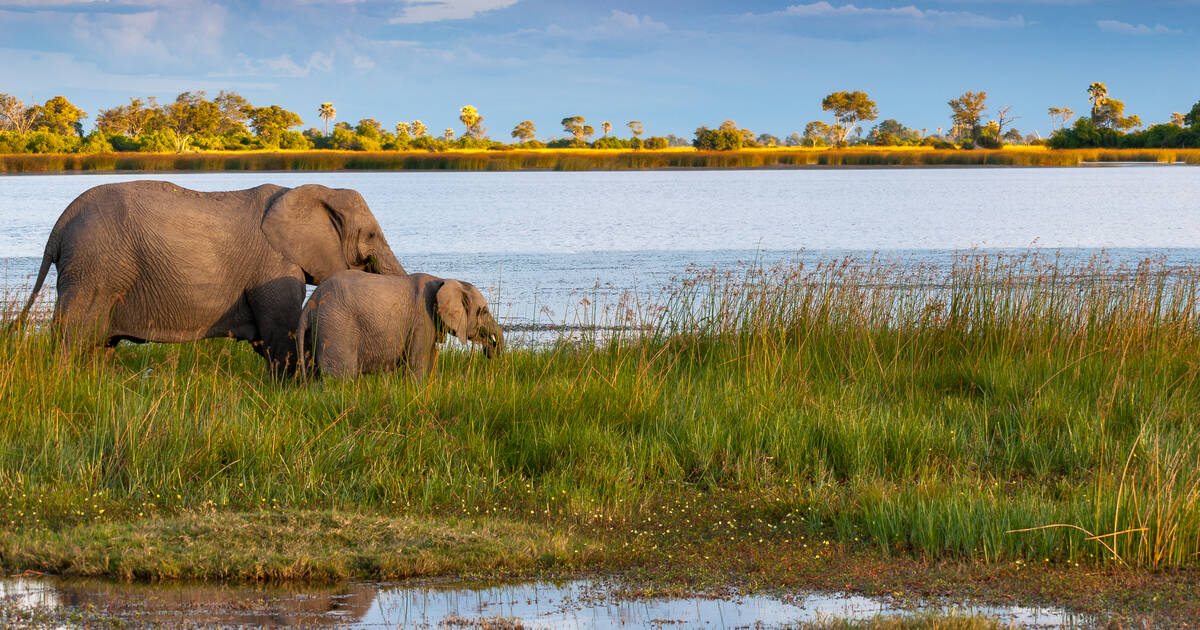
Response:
column 337, row 359
column 421, row 361
column 83, row 318
column 276, row 306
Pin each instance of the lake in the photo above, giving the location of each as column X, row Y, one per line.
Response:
column 540, row 242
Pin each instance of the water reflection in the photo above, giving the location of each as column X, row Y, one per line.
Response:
column 574, row 604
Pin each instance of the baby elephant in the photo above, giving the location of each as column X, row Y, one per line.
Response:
column 361, row 322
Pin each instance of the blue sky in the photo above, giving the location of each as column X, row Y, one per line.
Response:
column 674, row 65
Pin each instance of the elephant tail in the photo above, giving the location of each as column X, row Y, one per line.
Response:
column 50, row 256
column 301, row 344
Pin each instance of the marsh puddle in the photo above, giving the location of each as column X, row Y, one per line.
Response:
column 573, row 604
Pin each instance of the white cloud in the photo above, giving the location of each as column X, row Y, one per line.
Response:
column 48, row 73
column 362, row 62
column 1113, row 26
column 282, row 66
column 419, row 11
column 285, row 66
column 910, row 14
column 155, row 38
column 626, row 22
column 616, row 25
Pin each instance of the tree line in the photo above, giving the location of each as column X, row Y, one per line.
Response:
column 230, row 122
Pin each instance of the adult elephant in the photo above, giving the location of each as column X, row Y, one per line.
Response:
column 151, row 261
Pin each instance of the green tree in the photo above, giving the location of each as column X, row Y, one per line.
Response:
column 59, row 116
column 524, row 131
column 113, row 120
column 327, row 112
column 270, row 123
column 403, row 131
column 189, row 116
column 890, row 133
column 848, row 108
column 448, row 135
column 418, row 129
column 725, row 138
column 141, row 116
column 233, row 108
column 130, row 120
column 473, row 122
column 967, row 113
column 606, row 127
column 1110, row 114
column 635, row 127
column 369, row 128
column 575, row 125
column 817, row 131
column 1192, row 118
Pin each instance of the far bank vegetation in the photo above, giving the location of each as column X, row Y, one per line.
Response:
column 228, row 122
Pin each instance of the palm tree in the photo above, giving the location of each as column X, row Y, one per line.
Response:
column 635, row 127
column 1097, row 94
column 327, row 112
column 471, row 120
column 606, row 126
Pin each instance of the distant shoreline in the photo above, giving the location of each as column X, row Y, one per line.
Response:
column 585, row 160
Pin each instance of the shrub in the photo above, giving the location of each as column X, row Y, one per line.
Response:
column 427, row 143
column 157, row 141
column 96, row 142
column 47, row 142
column 467, row 142
column 610, row 142
column 655, row 143
column 239, row 142
column 294, row 140
column 711, row 140
column 11, row 142
column 989, row 141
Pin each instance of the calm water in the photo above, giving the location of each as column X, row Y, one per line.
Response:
column 575, row 604
column 543, row 241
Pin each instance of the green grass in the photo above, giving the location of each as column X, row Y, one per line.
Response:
column 894, row 409
column 575, row 160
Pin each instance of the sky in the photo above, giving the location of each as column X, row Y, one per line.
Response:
column 674, row 65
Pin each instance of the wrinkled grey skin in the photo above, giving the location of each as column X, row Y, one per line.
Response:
column 150, row 261
column 358, row 323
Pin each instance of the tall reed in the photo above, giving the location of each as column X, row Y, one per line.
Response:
column 924, row 409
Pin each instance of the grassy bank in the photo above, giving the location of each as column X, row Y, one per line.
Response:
column 853, row 407
column 576, row 160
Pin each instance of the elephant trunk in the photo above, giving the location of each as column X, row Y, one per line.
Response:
column 493, row 339
column 385, row 263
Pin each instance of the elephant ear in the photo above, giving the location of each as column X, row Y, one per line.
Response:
column 308, row 230
column 452, row 308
